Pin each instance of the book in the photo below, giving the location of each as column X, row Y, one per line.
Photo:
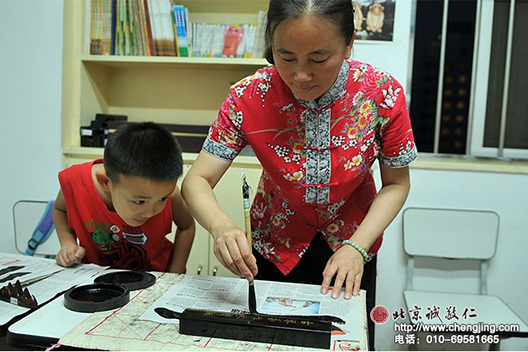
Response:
column 245, row 48
column 95, row 39
column 223, row 40
column 166, row 18
column 181, row 30
column 188, row 31
column 113, row 28
column 148, row 29
column 218, row 35
column 126, row 27
column 175, row 33
column 120, row 27
column 138, row 28
column 153, row 13
column 260, row 41
column 232, row 38
column 132, row 36
column 106, row 27
column 161, row 28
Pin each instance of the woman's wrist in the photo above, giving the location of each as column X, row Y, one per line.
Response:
column 357, row 247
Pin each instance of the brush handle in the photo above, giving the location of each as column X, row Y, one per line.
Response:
column 247, row 220
column 252, row 298
column 247, row 208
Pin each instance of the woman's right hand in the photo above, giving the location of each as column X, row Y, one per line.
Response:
column 231, row 248
column 70, row 254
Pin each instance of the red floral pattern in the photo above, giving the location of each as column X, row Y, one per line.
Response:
column 316, row 155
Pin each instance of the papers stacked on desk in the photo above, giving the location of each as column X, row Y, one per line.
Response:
column 25, row 269
column 43, row 277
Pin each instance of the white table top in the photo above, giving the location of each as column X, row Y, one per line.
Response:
column 32, row 330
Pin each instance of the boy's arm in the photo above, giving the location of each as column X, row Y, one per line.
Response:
column 184, row 234
column 70, row 251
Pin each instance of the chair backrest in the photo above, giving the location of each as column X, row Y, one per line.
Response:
column 451, row 234
column 27, row 214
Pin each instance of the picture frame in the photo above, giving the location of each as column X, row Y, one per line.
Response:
column 374, row 19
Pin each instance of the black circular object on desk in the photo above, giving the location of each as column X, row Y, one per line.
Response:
column 133, row 280
column 96, row 297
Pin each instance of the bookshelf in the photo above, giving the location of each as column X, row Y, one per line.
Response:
column 174, row 90
column 180, row 90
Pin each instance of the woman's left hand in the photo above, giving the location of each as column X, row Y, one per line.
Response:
column 347, row 266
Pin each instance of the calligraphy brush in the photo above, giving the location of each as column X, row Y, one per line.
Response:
column 252, row 296
column 245, row 193
column 307, row 331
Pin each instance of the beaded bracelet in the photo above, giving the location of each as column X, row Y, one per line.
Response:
column 356, row 246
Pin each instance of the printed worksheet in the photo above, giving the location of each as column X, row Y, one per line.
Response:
column 224, row 294
column 25, row 269
column 130, row 328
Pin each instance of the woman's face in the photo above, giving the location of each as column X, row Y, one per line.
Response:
column 308, row 54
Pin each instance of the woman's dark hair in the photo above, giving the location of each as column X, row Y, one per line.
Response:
column 145, row 149
column 341, row 12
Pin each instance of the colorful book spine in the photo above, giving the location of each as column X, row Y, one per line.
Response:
column 188, row 30
column 168, row 27
column 161, row 28
column 148, row 26
column 260, row 41
column 114, row 25
column 181, row 23
column 132, row 36
column 120, row 27
column 138, row 28
column 95, row 25
column 175, row 32
column 106, row 27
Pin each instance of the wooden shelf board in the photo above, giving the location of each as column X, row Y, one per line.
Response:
column 159, row 61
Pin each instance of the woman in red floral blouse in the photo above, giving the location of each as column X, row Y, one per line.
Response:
column 317, row 122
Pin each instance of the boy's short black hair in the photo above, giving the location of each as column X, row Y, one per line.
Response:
column 145, row 149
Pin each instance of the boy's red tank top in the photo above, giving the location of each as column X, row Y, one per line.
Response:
column 107, row 238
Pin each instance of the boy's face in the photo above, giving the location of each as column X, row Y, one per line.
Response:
column 136, row 199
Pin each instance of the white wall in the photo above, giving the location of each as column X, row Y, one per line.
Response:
column 393, row 57
column 30, row 101
column 506, row 194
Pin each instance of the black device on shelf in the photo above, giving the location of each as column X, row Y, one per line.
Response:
column 96, row 134
column 190, row 137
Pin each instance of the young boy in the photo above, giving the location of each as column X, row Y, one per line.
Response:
column 117, row 211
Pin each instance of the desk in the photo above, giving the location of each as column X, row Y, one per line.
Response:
column 123, row 328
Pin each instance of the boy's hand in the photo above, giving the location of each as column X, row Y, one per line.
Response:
column 70, row 254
